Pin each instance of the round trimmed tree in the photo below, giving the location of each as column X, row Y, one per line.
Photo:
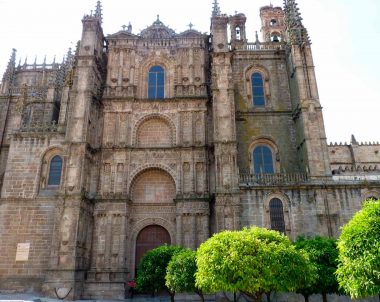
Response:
column 151, row 271
column 253, row 261
column 180, row 274
column 359, row 253
column 323, row 253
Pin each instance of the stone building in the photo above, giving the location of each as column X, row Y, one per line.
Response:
column 136, row 140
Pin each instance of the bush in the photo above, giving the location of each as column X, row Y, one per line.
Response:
column 359, row 253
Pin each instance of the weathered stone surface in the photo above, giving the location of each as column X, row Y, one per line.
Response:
column 183, row 164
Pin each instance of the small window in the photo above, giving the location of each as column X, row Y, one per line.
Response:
column 262, row 160
column 275, row 37
column 238, row 33
column 273, row 22
column 258, row 90
column 156, row 83
column 276, row 211
column 55, row 171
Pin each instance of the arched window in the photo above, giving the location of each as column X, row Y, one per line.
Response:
column 262, row 160
column 156, row 83
column 276, row 211
column 238, row 33
column 275, row 37
column 55, row 171
column 258, row 90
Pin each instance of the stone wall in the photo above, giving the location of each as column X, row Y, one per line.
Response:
column 307, row 211
column 365, row 155
column 272, row 124
column 23, row 174
column 25, row 221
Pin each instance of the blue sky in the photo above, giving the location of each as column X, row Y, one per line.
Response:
column 345, row 36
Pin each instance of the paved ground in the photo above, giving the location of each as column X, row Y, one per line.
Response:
column 33, row 297
column 37, row 298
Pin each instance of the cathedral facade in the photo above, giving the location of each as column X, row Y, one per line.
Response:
column 137, row 140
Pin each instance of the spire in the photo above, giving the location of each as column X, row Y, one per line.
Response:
column 353, row 140
column 216, row 9
column 293, row 20
column 69, row 58
column 12, row 59
column 98, row 11
column 9, row 72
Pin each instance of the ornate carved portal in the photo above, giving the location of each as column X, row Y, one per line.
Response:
column 149, row 238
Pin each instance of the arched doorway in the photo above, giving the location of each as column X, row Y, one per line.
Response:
column 149, row 238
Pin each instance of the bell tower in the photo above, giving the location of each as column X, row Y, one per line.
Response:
column 237, row 28
column 272, row 23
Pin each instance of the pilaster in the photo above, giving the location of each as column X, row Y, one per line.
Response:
column 224, row 136
column 76, row 221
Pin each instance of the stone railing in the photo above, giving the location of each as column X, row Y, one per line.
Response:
column 261, row 46
column 40, row 127
column 270, row 179
column 38, row 66
column 120, row 91
column 30, row 91
column 190, row 90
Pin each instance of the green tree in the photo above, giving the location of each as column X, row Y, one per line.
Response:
column 152, row 269
column 359, row 253
column 323, row 253
column 180, row 275
column 253, row 261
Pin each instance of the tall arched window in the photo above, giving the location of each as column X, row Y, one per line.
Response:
column 258, row 90
column 156, row 83
column 276, row 211
column 262, row 160
column 55, row 171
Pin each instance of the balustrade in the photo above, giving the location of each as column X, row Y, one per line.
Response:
column 264, row 179
column 120, row 91
column 261, row 46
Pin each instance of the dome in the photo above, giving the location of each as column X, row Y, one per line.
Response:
column 191, row 33
column 157, row 30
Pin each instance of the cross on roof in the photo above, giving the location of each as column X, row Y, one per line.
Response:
column 190, row 25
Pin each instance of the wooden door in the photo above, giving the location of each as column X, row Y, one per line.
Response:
column 149, row 238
